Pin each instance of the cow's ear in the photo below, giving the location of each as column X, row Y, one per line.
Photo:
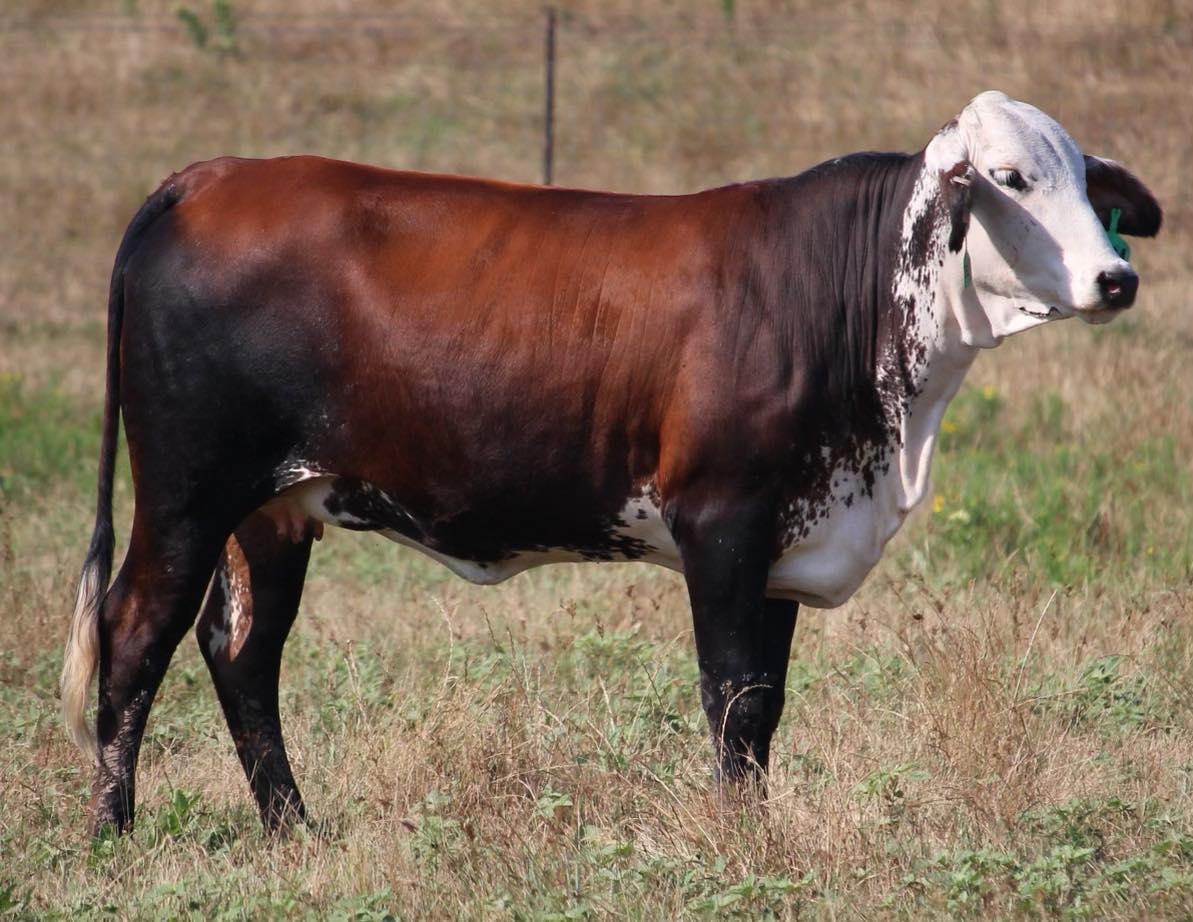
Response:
column 956, row 186
column 1109, row 186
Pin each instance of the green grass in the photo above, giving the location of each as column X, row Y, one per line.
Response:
column 1030, row 494
column 47, row 438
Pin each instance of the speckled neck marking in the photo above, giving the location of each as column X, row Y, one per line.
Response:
column 861, row 489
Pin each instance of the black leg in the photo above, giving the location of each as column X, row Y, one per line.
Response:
column 145, row 614
column 742, row 685
column 253, row 601
column 743, row 639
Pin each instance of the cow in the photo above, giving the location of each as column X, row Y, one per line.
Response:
column 743, row 384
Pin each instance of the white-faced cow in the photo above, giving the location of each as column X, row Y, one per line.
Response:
column 743, row 384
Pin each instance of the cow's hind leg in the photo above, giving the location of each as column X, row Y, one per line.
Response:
column 145, row 614
column 250, row 608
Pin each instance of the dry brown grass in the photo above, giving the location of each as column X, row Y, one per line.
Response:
column 933, row 718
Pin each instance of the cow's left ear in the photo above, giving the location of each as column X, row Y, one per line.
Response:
column 1109, row 186
column 956, row 186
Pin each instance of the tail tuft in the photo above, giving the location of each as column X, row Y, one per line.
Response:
column 82, row 656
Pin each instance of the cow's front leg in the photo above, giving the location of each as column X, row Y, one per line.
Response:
column 743, row 639
column 743, row 671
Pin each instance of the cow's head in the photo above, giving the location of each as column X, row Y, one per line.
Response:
column 1028, row 218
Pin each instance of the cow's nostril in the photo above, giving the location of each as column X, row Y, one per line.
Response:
column 1118, row 287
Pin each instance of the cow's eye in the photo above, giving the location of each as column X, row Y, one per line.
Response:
column 1012, row 179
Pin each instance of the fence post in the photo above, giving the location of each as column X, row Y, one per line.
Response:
column 549, row 113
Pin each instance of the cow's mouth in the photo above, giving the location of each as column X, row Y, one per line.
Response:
column 1101, row 315
column 1040, row 315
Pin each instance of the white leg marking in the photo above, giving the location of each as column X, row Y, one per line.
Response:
column 237, row 609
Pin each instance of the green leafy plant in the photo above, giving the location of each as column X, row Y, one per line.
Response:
column 223, row 25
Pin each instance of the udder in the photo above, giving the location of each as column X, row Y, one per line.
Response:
column 291, row 519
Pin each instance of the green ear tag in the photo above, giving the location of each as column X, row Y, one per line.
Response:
column 966, row 272
column 1117, row 242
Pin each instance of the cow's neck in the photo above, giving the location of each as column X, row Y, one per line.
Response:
column 926, row 358
column 876, row 355
column 852, row 488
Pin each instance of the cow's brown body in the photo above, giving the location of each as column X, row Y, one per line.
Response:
column 489, row 354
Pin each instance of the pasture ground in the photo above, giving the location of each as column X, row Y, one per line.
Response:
column 1000, row 724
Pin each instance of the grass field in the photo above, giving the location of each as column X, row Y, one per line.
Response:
column 1000, row 724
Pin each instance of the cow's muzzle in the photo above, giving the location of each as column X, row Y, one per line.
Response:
column 1118, row 287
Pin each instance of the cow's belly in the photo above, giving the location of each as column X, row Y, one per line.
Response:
column 638, row 525
column 637, row 532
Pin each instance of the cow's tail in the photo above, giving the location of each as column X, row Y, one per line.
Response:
column 82, row 644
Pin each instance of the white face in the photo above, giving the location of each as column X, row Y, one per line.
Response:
column 1037, row 250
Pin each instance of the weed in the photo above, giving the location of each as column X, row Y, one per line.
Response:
column 752, row 898
column 223, row 23
column 194, row 26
